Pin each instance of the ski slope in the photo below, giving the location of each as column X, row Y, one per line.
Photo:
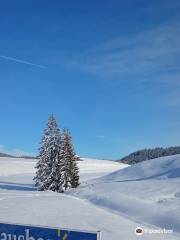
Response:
column 113, row 198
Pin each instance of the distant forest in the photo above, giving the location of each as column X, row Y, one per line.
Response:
column 147, row 154
column 11, row 156
column 5, row 155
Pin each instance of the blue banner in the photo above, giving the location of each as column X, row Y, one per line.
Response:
column 23, row 232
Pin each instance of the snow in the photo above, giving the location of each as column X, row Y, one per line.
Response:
column 147, row 192
column 92, row 168
column 114, row 198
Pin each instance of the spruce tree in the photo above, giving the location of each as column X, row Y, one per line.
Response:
column 57, row 168
column 70, row 159
column 56, row 177
column 49, row 157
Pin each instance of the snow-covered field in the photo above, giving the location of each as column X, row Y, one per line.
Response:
column 112, row 197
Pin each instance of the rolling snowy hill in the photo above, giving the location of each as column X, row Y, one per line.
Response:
column 148, row 192
column 113, row 197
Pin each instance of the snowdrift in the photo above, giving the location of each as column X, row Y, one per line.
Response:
column 148, row 192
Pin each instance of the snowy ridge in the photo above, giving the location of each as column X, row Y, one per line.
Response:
column 159, row 168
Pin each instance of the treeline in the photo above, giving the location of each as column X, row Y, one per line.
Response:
column 12, row 156
column 147, row 154
column 5, row 155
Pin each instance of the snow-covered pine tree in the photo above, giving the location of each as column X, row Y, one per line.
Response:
column 56, row 178
column 48, row 166
column 70, row 159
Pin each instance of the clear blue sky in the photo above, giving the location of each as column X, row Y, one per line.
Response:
column 108, row 70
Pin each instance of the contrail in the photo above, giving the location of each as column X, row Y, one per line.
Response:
column 21, row 61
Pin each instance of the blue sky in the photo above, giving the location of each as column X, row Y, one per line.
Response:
column 108, row 70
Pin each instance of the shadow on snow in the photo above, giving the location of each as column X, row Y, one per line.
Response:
column 17, row 186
